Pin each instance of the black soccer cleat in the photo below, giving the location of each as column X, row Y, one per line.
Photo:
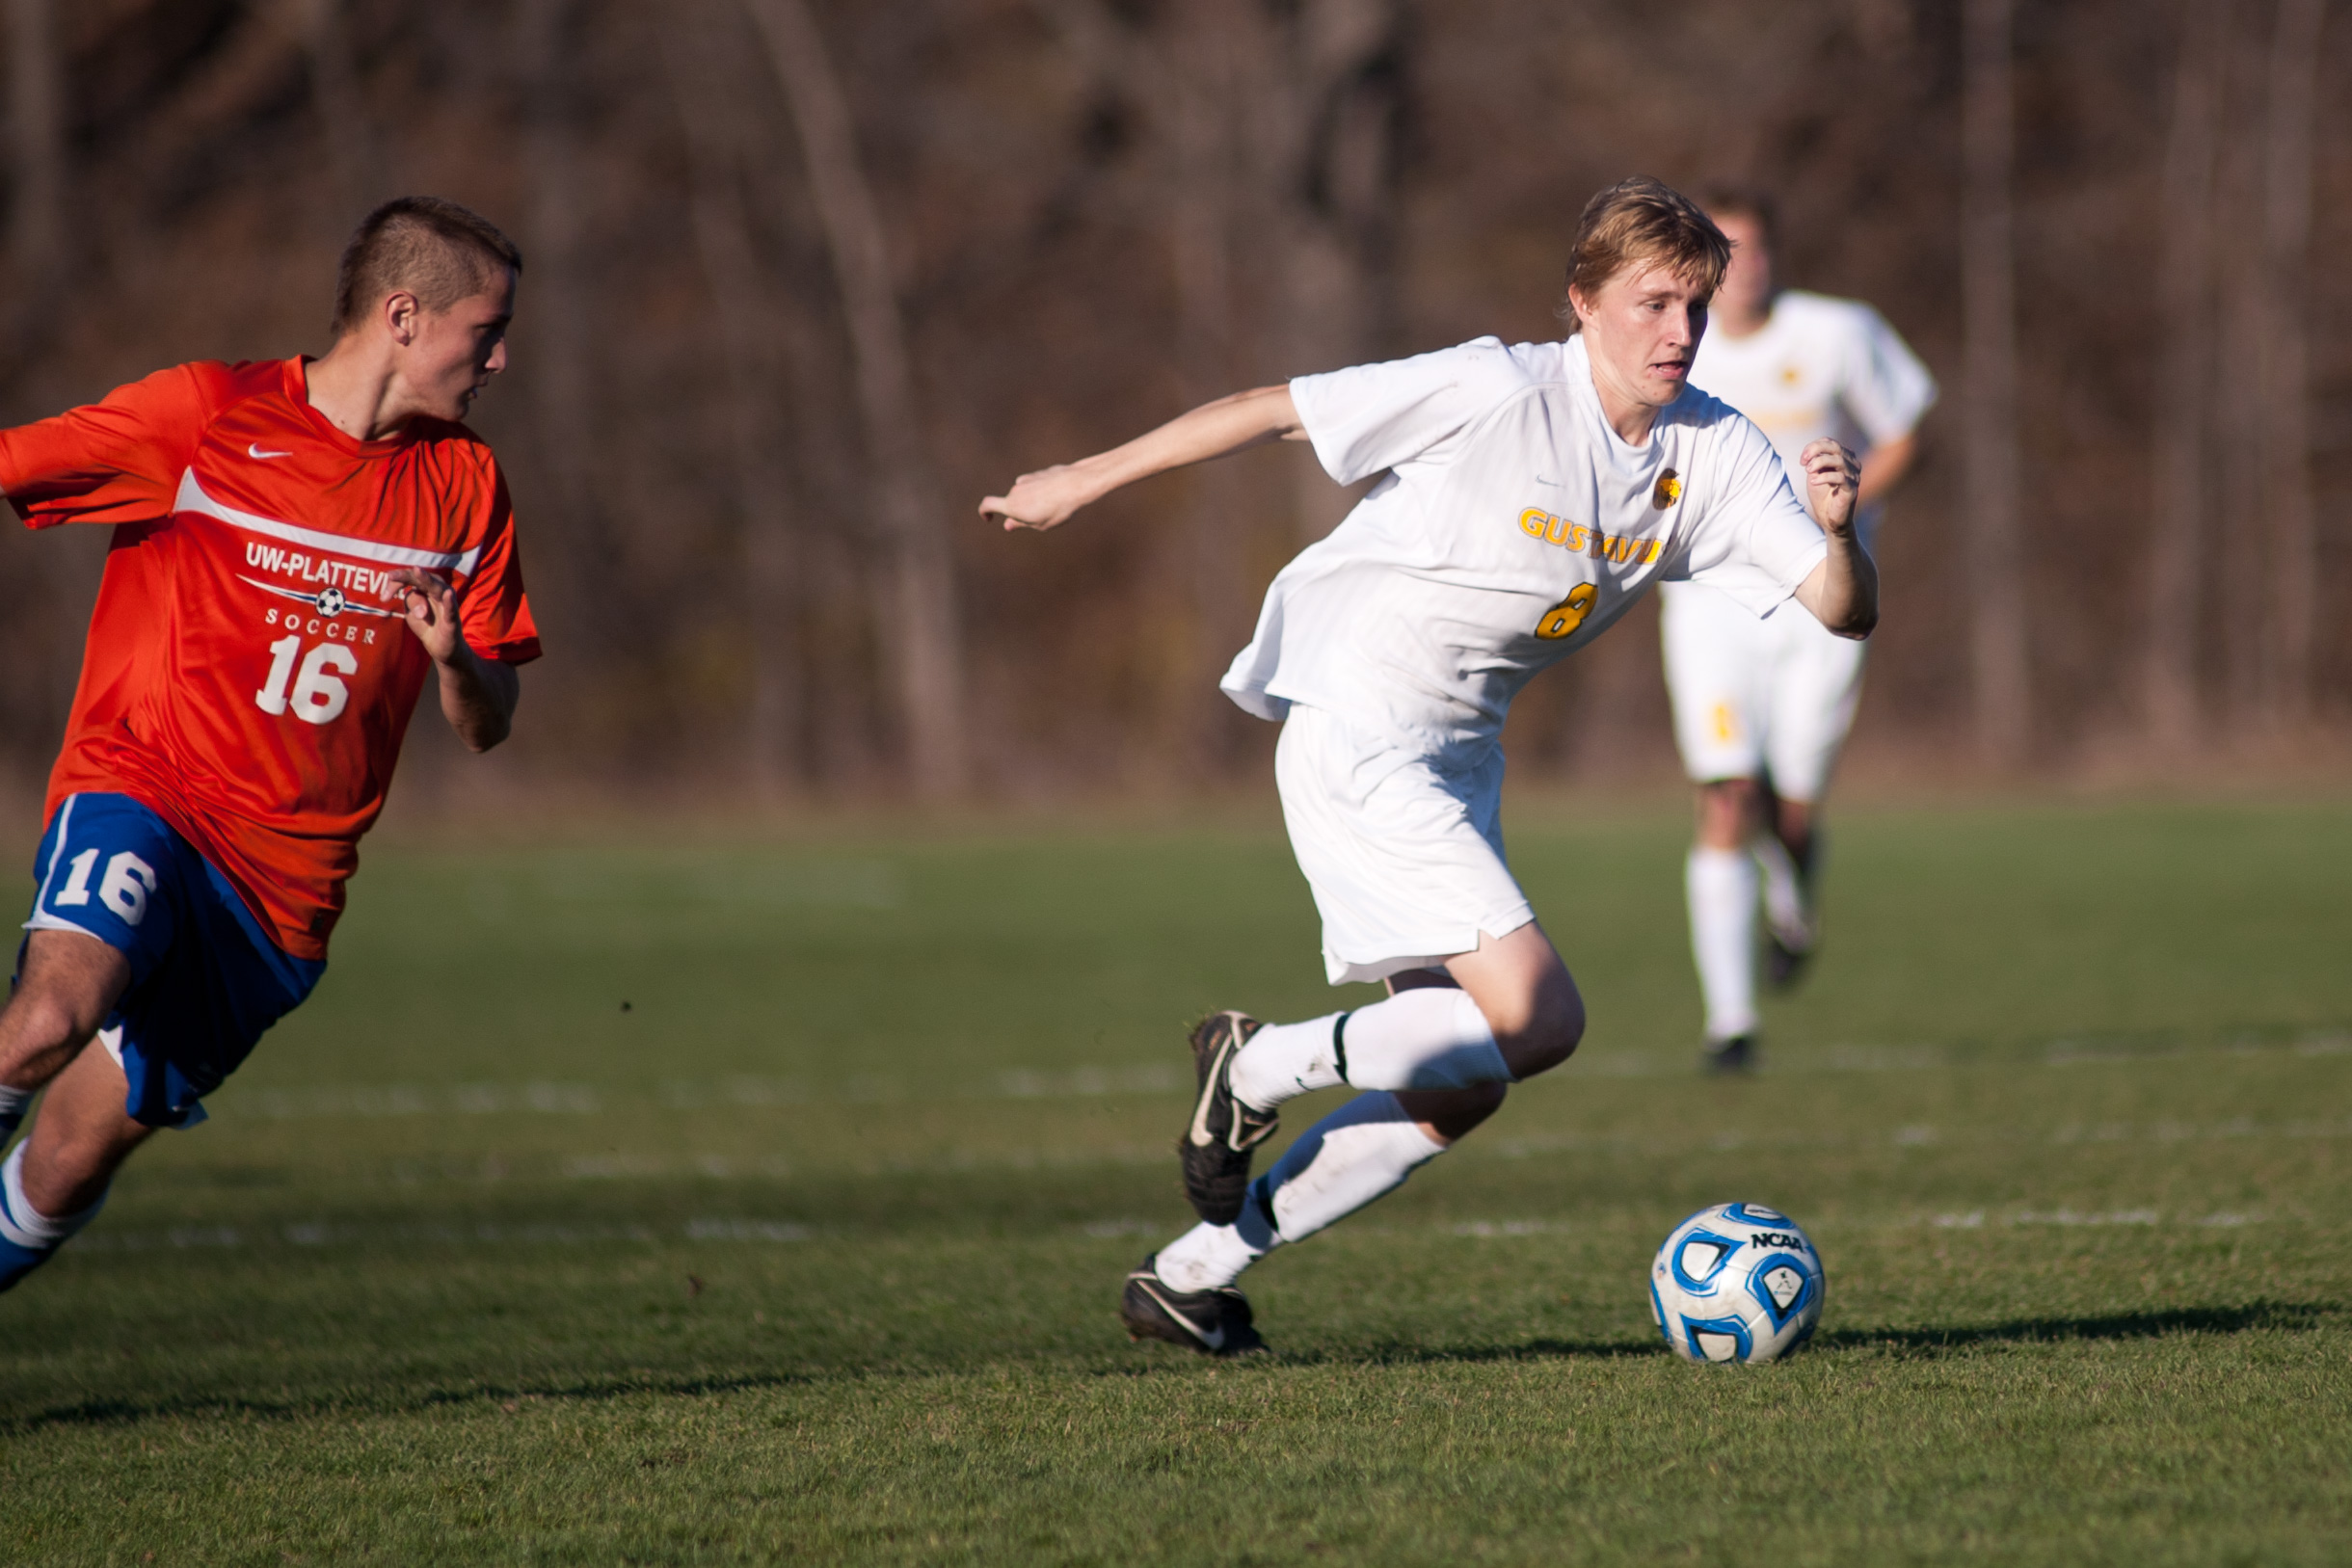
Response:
column 1724, row 1057
column 1218, row 1140
column 1214, row 1322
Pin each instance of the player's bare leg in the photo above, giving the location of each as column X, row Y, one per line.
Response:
column 1445, row 1115
column 1527, row 997
column 1532, row 1002
column 81, row 1137
column 1729, row 811
column 1437, row 1057
column 69, row 983
column 53, row 1182
column 1506, row 1011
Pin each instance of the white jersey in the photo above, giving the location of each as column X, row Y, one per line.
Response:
column 1511, row 525
column 1819, row 367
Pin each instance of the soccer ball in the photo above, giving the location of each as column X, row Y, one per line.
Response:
column 1737, row 1282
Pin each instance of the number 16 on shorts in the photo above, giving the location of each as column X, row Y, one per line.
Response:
column 107, row 868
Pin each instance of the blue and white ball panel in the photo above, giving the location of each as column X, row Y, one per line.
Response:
column 1701, row 1256
column 1717, row 1339
column 1784, row 1285
column 206, row 980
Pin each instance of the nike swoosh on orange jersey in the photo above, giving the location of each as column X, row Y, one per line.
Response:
column 254, row 451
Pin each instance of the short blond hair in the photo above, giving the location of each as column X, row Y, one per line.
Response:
column 1640, row 219
column 436, row 249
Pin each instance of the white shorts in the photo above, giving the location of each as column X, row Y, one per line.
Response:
column 1772, row 696
column 1404, row 856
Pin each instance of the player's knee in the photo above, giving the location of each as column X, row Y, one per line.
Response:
column 46, row 1025
column 1728, row 812
column 69, row 983
column 1560, row 1023
column 1547, row 1031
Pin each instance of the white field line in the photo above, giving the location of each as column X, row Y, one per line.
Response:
column 1012, row 1083
column 758, row 1091
column 942, row 1163
column 611, row 1167
column 184, row 1237
column 1970, row 1220
column 1918, row 1135
column 1923, row 1058
column 493, row 1170
column 368, row 1101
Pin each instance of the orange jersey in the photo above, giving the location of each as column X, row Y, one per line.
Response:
column 247, row 674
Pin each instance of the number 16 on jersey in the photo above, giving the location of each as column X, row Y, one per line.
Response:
column 318, row 695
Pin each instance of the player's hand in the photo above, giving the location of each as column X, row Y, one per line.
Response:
column 430, row 605
column 1832, row 480
column 1041, row 500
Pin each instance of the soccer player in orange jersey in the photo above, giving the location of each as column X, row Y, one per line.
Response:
column 299, row 545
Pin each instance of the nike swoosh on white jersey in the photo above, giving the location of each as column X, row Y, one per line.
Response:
column 254, row 450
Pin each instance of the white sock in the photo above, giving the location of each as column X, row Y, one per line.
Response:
column 1433, row 1037
column 1208, row 1256
column 26, row 1226
column 1722, row 883
column 1283, row 1061
column 1361, row 1151
column 13, row 1104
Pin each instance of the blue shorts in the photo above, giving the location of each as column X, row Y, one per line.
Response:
column 206, row 981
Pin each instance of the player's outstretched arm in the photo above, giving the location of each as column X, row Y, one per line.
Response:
column 1843, row 591
column 1047, row 498
column 477, row 695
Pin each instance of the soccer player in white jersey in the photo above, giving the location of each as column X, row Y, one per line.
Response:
column 1762, row 707
column 1527, row 495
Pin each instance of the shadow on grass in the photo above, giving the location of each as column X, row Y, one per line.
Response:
column 2255, row 1317
column 2279, row 1315
column 2291, row 1317
column 1398, row 1354
column 123, row 1412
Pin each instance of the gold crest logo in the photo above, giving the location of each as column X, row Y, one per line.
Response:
column 1667, row 491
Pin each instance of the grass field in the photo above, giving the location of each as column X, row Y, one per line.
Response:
column 723, row 1202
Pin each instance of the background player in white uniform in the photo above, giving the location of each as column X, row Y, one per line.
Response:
column 1528, row 495
column 1761, row 707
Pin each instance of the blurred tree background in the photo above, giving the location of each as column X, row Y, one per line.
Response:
column 807, row 277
